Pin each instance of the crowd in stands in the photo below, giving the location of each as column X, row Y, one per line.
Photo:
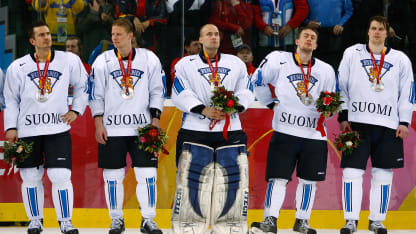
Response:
column 259, row 25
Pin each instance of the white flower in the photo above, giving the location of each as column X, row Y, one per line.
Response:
column 19, row 149
column 348, row 144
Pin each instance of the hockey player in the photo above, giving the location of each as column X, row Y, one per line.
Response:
column 36, row 90
column 127, row 92
column 298, row 79
column 1, row 89
column 376, row 84
column 212, row 179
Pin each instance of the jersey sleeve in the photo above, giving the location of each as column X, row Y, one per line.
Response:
column 157, row 82
column 244, row 88
column 183, row 96
column 1, row 89
column 97, row 83
column 79, row 79
column 266, row 73
column 12, row 88
column 406, row 91
column 343, row 76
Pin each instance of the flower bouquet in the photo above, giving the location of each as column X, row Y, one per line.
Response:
column 347, row 141
column 327, row 103
column 152, row 139
column 16, row 152
column 224, row 100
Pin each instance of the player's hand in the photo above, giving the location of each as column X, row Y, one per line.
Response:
column 213, row 113
column 69, row 117
column 337, row 30
column 156, row 122
column 268, row 31
column 314, row 24
column 240, row 32
column 11, row 135
column 100, row 131
column 402, row 131
column 285, row 30
column 345, row 125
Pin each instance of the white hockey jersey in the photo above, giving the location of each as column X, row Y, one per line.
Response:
column 121, row 117
column 191, row 88
column 386, row 108
column 291, row 116
column 31, row 117
column 1, row 89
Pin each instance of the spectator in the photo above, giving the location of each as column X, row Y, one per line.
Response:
column 246, row 55
column 94, row 25
column 192, row 46
column 282, row 17
column 330, row 25
column 74, row 45
column 60, row 15
column 147, row 16
column 233, row 18
column 103, row 46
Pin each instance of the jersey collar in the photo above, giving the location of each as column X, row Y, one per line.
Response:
column 305, row 65
column 127, row 57
column 368, row 49
column 32, row 55
column 202, row 56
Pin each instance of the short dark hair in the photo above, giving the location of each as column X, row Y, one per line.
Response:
column 38, row 23
column 301, row 29
column 381, row 19
column 125, row 23
column 79, row 42
column 191, row 38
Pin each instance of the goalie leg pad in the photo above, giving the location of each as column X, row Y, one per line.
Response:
column 230, row 193
column 192, row 203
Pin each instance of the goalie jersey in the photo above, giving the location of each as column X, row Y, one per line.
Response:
column 291, row 116
column 121, row 117
column 22, row 109
column 387, row 108
column 192, row 88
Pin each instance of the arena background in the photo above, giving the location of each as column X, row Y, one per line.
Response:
column 90, row 208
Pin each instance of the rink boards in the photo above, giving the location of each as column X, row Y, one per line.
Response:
column 89, row 193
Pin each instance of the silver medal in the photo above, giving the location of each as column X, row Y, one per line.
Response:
column 127, row 95
column 41, row 97
column 377, row 87
column 306, row 100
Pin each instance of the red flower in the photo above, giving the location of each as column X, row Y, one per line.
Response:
column 153, row 132
column 153, row 146
column 326, row 92
column 332, row 94
column 327, row 100
column 340, row 145
column 230, row 103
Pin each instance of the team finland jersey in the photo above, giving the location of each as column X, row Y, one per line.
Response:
column 1, row 89
column 121, row 117
column 192, row 87
column 22, row 109
column 291, row 116
column 386, row 108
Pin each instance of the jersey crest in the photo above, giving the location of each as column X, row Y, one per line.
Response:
column 135, row 76
column 369, row 68
column 207, row 74
column 297, row 83
column 51, row 78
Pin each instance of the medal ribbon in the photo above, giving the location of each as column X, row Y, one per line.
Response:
column 42, row 76
column 308, row 74
column 373, row 59
column 211, row 67
column 126, row 74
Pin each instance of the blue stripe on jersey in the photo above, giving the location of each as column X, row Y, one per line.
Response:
column 337, row 82
column 412, row 96
column 384, row 198
column 33, row 201
column 91, row 87
column 164, row 86
column 269, row 191
column 151, row 190
column 347, row 196
column 307, row 188
column 259, row 79
column 63, row 197
column 250, row 85
column 178, row 86
column 112, row 193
